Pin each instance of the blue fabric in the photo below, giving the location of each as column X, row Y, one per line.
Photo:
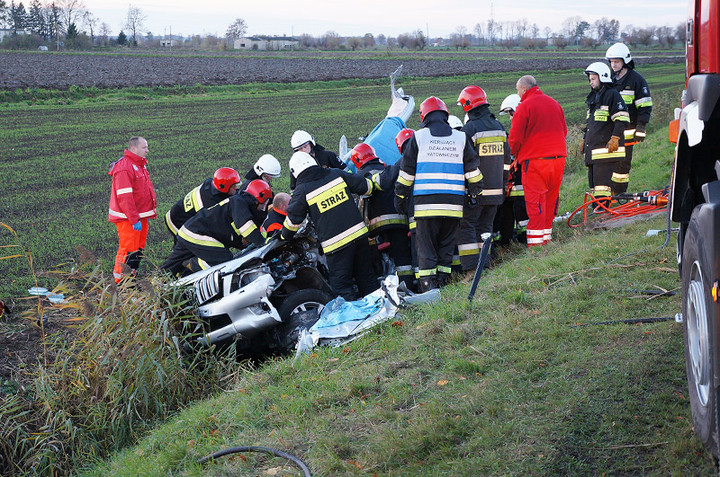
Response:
column 339, row 311
column 382, row 139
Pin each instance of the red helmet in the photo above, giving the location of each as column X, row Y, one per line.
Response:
column 472, row 97
column 403, row 136
column 361, row 154
column 224, row 178
column 433, row 103
column 260, row 190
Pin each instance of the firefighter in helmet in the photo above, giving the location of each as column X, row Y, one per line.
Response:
column 219, row 187
column 635, row 92
column 488, row 136
column 511, row 219
column 302, row 141
column 439, row 166
column 205, row 240
column 603, row 143
column 325, row 194
column 266, row 168
column 385, row 224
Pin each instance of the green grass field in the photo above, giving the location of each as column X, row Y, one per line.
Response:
column 55, row 156
column 505, row 386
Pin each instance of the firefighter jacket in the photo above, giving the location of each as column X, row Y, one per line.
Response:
column 324, row 159
column 436, row 164
column 380, row 207
column 132, row 196
column 635, row 92
column 607, row 116
column 490, row 141
column 514, row 188
column 538, row 128
column 225, row 224
column 325, row 194
column 249, row 177
column 273, row 222
column 203, row 196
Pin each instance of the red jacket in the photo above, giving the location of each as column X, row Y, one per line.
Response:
column 133, row 196
column 538, row 128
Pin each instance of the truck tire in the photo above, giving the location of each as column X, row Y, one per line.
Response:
column 700, row 333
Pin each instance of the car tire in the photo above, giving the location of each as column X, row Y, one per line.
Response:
column 700, row 319
column 299, row 311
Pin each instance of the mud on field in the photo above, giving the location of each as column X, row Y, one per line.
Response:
column 60, row 71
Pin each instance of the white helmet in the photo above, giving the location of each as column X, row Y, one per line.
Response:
column 601, row 69
column 455, row 122
column 301, row 161
column 510, row 103
column 267, row 164
column 618, row 50
column 299, row 138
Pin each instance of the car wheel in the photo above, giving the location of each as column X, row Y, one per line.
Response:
column 299, row 311
column 701, row 346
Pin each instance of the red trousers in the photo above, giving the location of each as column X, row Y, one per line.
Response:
column 541, row 182
column 131, row 243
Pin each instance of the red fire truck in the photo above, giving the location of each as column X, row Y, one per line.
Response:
column 695, row 206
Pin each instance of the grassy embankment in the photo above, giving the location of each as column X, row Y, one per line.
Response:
column 505, row 386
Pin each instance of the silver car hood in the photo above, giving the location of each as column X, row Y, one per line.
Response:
column 229, row 266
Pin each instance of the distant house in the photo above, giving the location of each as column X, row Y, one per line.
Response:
column 265, row 43
column 168, row 43
column 9, row 32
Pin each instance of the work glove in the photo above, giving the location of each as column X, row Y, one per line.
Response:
column 613, row 144
column 401, row 204
column 640, row 133
column 137, row 226
column 581, row 145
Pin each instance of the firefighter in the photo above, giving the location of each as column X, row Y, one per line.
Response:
column 219, row 187
column 402, row 206
column 385, row 224
column 325, row 195
column 132, row 203
column 635, row 92
column 276, row 215
column 511, row 219
column 537, row 140
column 603, row 143
column 490, row 141
column 437, row 165
column 265, row 168
column 304, row 142
column 205, row 240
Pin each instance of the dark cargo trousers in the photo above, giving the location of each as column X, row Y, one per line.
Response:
column 435, row 238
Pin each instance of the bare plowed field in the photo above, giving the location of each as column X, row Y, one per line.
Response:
column 60, row 71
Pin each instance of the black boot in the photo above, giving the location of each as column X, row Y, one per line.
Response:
column 443, row 279
column 427, row 284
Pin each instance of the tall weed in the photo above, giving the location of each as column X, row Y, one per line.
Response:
column 125, row 371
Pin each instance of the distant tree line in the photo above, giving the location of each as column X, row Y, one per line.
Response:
column 68, row 24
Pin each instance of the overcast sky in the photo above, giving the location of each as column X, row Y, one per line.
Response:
column 389, row 17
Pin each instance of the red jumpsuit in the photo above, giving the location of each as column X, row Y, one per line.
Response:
column 537, row 140
column 132, row 200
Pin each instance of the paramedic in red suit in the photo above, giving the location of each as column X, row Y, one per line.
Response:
column 132, row 203
column 537, row 140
